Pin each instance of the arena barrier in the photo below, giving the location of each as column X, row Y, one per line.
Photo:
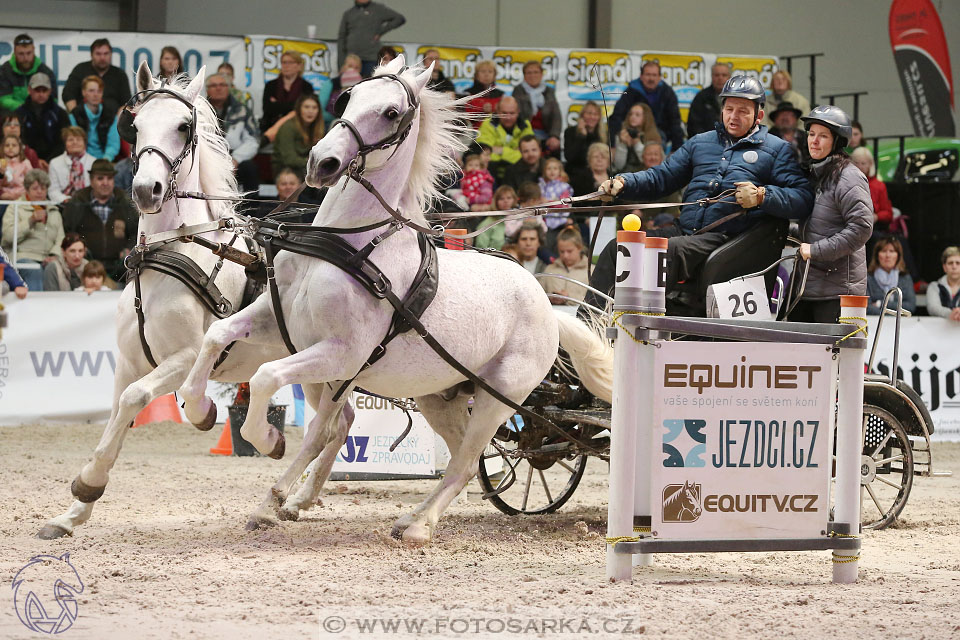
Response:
column 728, row 447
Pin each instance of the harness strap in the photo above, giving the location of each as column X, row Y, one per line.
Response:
column 141, row 320
column 421, row 293
column 469, row 375
column 188, row 272
column 268, row 254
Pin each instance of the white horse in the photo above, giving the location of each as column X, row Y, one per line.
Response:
column 489, row 313
column 175, row 320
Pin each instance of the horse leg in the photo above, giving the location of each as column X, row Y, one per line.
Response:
column 132, row 396
column 318, row 363
column 487, row 415
column 319, row 469
column 248, row 325
column 319, row 438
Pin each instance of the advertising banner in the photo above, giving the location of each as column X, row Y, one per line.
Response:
column 742, row 440
column 923, row 64
column 57, row 358
column 63, row 50
column 378, row 424
column 575, row 74
column 930, row 363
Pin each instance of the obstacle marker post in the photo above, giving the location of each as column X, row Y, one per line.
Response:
column 625, row 410
column 853, row 311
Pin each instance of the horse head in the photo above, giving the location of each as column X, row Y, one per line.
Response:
column 377, row 120
column 691, row 498
column 164, row 128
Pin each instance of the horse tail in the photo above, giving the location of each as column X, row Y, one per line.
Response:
column 590, row 353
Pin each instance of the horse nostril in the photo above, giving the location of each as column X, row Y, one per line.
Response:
column 157, row 189
column 328, row 166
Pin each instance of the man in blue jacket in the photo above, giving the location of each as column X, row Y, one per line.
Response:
column 739, row 155
column 652, row 90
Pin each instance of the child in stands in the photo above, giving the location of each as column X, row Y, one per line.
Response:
column 13, row 167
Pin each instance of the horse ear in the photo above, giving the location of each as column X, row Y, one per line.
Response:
column 193, row 89
column 395, row 65
column 422, row 78
column 144, row 77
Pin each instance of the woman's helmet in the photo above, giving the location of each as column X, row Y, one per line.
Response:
column 833, row 118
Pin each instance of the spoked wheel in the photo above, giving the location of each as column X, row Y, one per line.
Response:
column 538, row 480
column 886, row 469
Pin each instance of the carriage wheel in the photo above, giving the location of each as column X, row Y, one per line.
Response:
column 886, row 469
column 532, row 485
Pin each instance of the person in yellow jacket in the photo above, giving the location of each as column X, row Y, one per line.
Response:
column 502, row 133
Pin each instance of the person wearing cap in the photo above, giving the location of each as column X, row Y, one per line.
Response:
column 841, row 222
column 116, row 84
column 15, row 73
column 105, row 218
column 738, row 155
column 785, row 118
column 41, row 119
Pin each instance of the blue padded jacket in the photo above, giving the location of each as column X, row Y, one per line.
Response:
column 712, row 162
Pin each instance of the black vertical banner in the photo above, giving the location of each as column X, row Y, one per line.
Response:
column 923, row 64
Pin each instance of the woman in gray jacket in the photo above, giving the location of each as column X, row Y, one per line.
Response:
column 841, row 222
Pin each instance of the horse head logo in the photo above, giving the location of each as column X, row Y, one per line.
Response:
column 681, row 502
column 45, row 593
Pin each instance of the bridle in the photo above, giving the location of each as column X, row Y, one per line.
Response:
column 357, row 165
column 127, row 131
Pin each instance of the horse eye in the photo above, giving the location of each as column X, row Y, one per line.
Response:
column 183, row 128
column 392, row 114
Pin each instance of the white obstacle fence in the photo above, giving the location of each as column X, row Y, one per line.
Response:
column 728, row 445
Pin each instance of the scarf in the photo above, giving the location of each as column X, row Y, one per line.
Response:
column 76, row 180
column 296, row 87
column 887, row 279
column 536, row 95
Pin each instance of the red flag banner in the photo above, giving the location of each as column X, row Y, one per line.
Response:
column 923, row 64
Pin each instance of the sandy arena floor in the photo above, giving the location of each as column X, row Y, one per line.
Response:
column 165, row 555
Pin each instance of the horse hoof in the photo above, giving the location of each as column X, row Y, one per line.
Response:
column 211, row 418
column 289, row 515
column 84, row 492
column 256, row 523
column 52, row 532
column 279, row 449
column 416, row 534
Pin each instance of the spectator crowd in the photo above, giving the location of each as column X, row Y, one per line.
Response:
column 65, row 152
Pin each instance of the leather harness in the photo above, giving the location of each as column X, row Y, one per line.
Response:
column 330, row 247
column 188, row 272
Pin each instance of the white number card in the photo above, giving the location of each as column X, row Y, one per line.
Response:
column 744, row 299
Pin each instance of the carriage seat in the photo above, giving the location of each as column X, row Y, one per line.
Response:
column 753, row 250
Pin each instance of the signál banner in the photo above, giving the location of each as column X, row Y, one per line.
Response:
column 923, row 64
column 742, row 440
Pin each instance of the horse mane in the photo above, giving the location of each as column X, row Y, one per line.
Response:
column 216, row 163
column 439, row 144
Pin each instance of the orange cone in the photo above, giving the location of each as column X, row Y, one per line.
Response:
column 225, row 443
column 162, row 408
